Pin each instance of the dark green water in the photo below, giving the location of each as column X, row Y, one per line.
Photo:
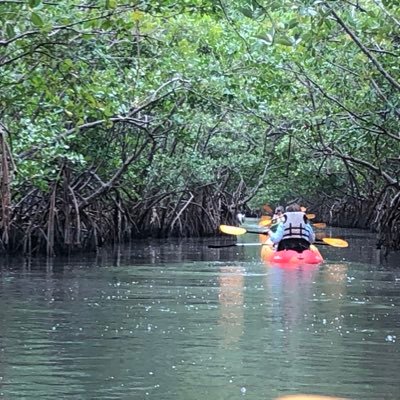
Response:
column 179, row 321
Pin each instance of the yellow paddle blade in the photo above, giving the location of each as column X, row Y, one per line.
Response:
column 319, row 225
column 335, row 242
column 265, row 222
column 310, row 216
column 232, row 230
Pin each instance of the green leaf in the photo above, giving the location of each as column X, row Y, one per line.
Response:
column 36, row 20
column 88, row 36
column 246, row 12
column 10, row 30
column 34, row 3
column 107, row 24
column 267, row 39
column 292, row 23
column 284, row 40
column 111, row 4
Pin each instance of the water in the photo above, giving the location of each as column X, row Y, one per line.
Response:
column 176, row 320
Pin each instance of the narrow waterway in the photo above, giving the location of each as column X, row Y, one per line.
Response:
column 176, row 320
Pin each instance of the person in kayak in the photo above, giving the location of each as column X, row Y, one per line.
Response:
column 241, row 217
column 278, row 212
column 277, row 218
column 294, row 232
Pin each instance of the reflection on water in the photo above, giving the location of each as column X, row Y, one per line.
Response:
column 290, row 289
column 231, row 298
column 176, row 320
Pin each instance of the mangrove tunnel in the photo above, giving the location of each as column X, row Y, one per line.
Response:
column 130, row 119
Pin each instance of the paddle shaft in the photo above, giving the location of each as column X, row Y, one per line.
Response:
column 217, row 246
column 220, row 246
column 237, row 231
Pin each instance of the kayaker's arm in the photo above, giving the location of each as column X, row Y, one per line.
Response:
column 311, row 234
column 277, row 236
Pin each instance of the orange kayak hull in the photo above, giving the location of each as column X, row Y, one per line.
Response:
column 291, row 257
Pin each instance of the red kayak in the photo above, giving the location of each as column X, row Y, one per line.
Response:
column 311, row 256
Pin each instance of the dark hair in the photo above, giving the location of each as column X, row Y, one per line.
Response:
column 293, row 208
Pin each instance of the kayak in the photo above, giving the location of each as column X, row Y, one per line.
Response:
column 291, row 257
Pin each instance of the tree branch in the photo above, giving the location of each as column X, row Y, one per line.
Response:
column 356, row 40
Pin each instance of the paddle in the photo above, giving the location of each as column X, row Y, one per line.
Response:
column 234, row 230
column 265, row 219
column 220, row 246
column 266, row 222
column 335, row 242
column 318, row 225
column 324, row 242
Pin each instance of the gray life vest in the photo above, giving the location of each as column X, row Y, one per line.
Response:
column 295, row 226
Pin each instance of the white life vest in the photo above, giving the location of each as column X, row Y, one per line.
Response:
column 295, row 226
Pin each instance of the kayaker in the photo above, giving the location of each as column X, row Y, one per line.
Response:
column 241, row 217
column 294, row 232
column 276, row 218
column 278, row 212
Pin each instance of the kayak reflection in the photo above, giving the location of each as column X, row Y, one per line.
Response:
column 290, row 291
column 231, row 281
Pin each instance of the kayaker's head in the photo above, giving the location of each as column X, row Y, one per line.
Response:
column 279, row 210
column 293, row 208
